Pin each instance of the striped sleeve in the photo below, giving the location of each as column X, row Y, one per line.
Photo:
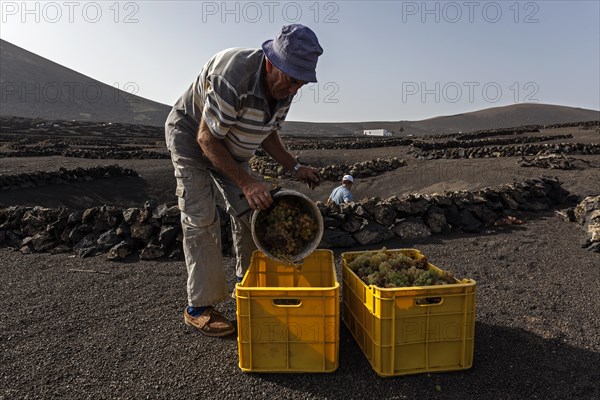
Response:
column 280, row 120
column 221, row 106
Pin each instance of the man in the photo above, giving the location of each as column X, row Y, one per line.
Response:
column 342, row 193
column 236, row 104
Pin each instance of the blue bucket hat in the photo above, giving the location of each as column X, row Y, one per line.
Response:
column 295, row 51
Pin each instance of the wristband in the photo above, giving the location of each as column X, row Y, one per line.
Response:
column 297, row 167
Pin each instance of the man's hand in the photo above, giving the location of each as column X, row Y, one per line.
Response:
column 308, row 175
column 258, row 195
column 275, row 148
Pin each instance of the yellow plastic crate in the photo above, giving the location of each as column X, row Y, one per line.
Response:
column 402, row 334
column 288, row 320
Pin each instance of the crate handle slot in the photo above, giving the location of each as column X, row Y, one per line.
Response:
column 287, row 302
column 429, row 301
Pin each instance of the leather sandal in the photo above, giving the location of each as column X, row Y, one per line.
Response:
column 210, row 323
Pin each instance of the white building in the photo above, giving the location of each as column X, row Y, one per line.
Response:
column 377, row 132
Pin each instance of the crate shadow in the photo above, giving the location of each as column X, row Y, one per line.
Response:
column 509, row 363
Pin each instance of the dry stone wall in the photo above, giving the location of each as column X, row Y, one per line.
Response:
column 587, row 214
column 510, row 151
column 356, row 143
column 45, row 141
column 556, row 161
column 45, row 127
column 268, row 167
column 514, row 131
column 487, row 133
column 99, row 153
column 582, row 124
column 417, row 216
column 62, row 176
column 155, row 232
column 485, row 142
column 63, row 145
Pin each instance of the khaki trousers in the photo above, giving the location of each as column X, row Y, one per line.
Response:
column 196, row 184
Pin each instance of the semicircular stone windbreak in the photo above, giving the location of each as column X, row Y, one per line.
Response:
column 269, row 168
column 154, row 231
column 62, row 176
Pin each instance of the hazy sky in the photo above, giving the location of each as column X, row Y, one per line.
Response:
column 383, row 60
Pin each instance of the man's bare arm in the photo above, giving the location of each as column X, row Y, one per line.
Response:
column 274, row 146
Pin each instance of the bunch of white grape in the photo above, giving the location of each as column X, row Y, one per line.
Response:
column 388, row 269
column 285, row 229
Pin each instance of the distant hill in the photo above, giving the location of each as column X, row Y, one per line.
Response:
column 507, row 117
column 35, row 87
column 490, row 118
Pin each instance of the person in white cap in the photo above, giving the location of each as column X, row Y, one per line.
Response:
column 342, row 193
column 237, row 103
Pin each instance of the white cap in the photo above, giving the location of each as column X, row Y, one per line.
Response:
column 348, row 178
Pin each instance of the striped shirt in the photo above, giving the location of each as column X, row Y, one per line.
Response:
column 229, row 95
